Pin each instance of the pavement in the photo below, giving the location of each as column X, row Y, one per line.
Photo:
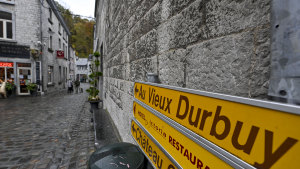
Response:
column 46, row 132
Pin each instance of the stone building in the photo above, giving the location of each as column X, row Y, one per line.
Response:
column 31, row 36
column 215, row 46
column 72, row 58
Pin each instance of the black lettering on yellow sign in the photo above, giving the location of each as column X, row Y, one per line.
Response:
column 270, row 157
column 144, row 142
column 159, row 100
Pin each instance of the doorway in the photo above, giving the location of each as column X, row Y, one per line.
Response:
column 25, row 77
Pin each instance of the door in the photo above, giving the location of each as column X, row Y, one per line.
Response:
column 24, row 76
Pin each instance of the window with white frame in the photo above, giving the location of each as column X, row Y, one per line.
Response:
column 64, row 49
column 50, row 75
column 6, row 25
column 59, row 43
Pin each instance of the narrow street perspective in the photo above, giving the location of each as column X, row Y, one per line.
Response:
column 53, row 131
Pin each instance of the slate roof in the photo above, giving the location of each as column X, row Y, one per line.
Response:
column 82, row 62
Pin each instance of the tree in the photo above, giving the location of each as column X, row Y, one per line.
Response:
column 81, row 30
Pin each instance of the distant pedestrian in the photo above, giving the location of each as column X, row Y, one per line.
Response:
column 70, row 86
column 77, row 84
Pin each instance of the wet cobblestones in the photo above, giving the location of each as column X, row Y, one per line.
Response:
column 50, row 132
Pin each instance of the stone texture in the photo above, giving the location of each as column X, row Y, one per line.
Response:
column 222, row 65
column 171, row 67
column 210, row 45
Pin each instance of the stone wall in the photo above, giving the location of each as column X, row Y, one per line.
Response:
column 210, row 45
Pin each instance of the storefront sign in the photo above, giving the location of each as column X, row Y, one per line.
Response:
column 6, row 64
column 186, row 152
column 150, row 149
column 263, row 134
column 14, row 51
column 60, row 54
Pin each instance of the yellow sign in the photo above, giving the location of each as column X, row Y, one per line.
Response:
column 186, row 152
column 262, row 137
column 157, row 157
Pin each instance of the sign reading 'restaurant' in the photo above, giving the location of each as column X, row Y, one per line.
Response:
column 156, row 156
column 186, row 152
column 263, row 137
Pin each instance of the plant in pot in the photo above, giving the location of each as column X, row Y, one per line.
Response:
column 11, row 89
column 32, row 88
column 94, row 77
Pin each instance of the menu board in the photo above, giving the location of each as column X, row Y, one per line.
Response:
column 14, row 51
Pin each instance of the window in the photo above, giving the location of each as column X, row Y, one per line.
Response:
column 59, row 73
column 59, row 42
column 6, row 25
column 50, row 74
column 63, row 49
column 59, row 26
column 63, row 34
column 50, row 14
column 50, row 40
column 66, row 51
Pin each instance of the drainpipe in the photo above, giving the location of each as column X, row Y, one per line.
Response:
column 42, row 46
column 284, row 84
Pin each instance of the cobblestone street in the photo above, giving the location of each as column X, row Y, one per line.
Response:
column 49, row 132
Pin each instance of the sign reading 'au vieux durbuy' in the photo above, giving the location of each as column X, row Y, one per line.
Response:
column 262, row 137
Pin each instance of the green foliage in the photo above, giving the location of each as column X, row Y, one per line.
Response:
column 9, row 86
column 81, row 31
column 97, row 54
column 31, row 86
column 94, row 76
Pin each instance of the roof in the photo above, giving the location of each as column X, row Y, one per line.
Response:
column 58, row 15
column 82, row 62
column 90, row 57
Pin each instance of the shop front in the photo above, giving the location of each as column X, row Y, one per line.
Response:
column 16, row 67
column 19, row 75
column 7, row 72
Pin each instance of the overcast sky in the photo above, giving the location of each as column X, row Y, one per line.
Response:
column 80, row 7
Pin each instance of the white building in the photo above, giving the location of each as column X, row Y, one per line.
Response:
column 82, row 68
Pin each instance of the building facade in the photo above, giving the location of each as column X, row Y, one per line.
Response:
column 82, row 69
column 214, row 46
column 72, row 58
column 29, row 41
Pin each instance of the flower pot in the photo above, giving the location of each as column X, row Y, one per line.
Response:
column 11, row 93
column 94, row 104
column 33, row 93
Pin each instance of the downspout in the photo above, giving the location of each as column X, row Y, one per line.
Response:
column 42, row 46
column 284, row 84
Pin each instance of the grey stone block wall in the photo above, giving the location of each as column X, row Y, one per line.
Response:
column 210, row 45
